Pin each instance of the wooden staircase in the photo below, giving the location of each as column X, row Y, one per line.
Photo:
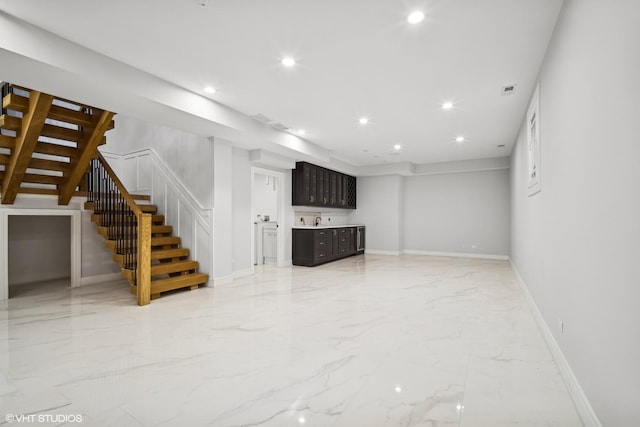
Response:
column 171, row 267
column 48, row 145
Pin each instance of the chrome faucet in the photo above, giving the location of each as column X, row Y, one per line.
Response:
column 318, row 219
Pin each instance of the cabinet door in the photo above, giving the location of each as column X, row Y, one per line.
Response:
column 339, row 189
column 322, row 246
column 333, row 186
column 322, row 199
column 303, row 197
column 343, row 245
column 351, row 192
column 335, row 243
column 352, row 240
column 313, row 184
column 327, row 191
column 345, row 191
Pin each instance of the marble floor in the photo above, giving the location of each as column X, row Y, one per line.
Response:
column 366, row 341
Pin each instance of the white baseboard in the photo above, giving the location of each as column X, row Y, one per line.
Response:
column 242, row 273
column 381, row 252
column 583, row 407
column 92, row 280
column 221, row 280
column 457, row 254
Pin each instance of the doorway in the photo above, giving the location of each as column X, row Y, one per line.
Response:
column 267, row 216
column 38, row 246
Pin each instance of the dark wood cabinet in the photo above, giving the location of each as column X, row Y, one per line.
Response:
column 317, row 186
column 316, row 246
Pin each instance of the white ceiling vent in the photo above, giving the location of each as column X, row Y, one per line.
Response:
column 262, row 118
column 508, row 90
column 280, row 127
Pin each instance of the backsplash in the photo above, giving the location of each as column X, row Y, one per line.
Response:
column 326, row 218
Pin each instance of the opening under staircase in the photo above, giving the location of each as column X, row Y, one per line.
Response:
column 48, row 145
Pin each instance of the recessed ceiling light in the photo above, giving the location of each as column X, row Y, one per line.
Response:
column 209, row 89
column 302, row 132
column 460, row 139
column 397, row 147
column 415, row 17
column 447, row 105
column 363, row 120
column 288, row 62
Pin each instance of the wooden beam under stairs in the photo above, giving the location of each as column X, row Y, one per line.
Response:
column 63, row 139
column 26, row 140
column 78, row 117
column 80, row 165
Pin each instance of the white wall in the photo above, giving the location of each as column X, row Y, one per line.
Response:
column 576, row 243
column 97, row 259
column 380, row 209
column 265, row 199
column 242, row 217
column 457, row 212
column 188, row 156
column 39, row 248
column 223, row 211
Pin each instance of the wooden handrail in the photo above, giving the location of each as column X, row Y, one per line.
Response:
column 143, row 244
column 125, row 194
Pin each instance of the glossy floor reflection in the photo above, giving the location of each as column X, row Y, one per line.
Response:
column 366, row 341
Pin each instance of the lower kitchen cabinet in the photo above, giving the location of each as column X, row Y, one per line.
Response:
column 316, row 246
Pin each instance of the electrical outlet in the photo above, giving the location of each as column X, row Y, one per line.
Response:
column 474, row 246
column 561, row 325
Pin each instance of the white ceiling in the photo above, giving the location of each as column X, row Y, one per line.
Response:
column 354, row 58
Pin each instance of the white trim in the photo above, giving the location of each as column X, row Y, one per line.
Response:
column 242, row 273
column 76, row 242
column 164, row 178
column 101, row 278
column 583, row 407
column 381, row 252
column 456, row 254
column 222, row 280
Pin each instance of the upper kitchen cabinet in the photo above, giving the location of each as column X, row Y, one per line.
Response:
column 320, row 187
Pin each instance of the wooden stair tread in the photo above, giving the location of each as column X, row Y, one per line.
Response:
column 177, row 282
column 173, row 267
column 169, row 253
column 155, row 229
column 51, row 165
column 156, row 219
column 155, row 241
column 147, row 208
column 165, row 241
column 10, row 122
